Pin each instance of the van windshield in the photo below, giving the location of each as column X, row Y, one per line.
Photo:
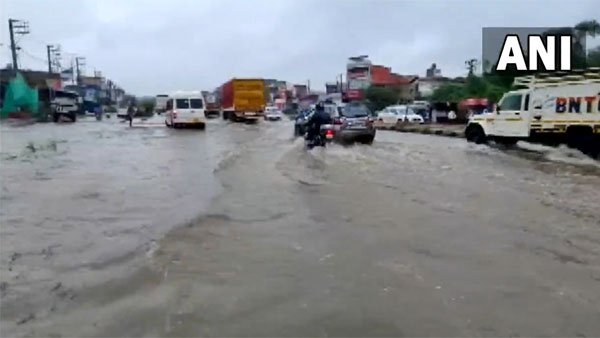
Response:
column 62, row 94
column 182, row 103
column 196, row 103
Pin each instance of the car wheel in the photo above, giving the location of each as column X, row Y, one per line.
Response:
column 369, row 140
column 584, row 140
column 475, row 133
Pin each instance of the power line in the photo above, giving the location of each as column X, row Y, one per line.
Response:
column 37, row 58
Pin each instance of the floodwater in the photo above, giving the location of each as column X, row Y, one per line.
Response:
column 239, row 231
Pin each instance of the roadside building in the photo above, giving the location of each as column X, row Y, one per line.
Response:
column 362, row 73
column 42, row 82
column 405, row 85
column 433, row 80
column 433, row 71
column 358, row 77
column 34, row 78
column 333, row 87
column 271, row 87
column 301, row 90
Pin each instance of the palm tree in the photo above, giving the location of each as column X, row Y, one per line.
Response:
column 589, row 27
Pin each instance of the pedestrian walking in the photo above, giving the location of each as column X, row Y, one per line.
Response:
column 131, row 110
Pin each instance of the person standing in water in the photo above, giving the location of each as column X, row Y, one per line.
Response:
column 131, row 112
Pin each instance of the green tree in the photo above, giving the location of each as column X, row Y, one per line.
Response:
column 451, row 92
column 475, row 86
column 145, row 107
column 380, row 97
column 589, row 27
column 489, row 87
column 495, row 92
column 593, row 57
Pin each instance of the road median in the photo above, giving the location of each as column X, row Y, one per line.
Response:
column 449, row 130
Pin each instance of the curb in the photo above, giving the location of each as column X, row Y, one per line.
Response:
column 425, row 131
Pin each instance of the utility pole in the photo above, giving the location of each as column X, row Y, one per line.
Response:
column 49, row 50
column 79, row 62
column 471, row 65
column 53, row 53
column 16, row 27
column 308, row 86
column 13, row 47
column 72, row 71
column 341, row 83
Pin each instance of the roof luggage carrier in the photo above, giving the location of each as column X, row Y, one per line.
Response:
column 577, row 76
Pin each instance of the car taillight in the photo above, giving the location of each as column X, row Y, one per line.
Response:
column 328, row 132
column 174, row 114
column 338, row 120
column 370, row 120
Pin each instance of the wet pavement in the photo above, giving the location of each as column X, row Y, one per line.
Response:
column 239, row 231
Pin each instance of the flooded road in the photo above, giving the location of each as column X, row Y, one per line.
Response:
column 239, row 231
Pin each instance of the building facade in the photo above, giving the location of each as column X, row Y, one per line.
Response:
column 362, row 73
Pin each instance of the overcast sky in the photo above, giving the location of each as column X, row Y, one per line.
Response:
column 157, row 46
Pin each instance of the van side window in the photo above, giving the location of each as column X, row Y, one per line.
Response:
column 170, row 104
column 526, row 104
column 511, row 102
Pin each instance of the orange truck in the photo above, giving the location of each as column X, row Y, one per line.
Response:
column 243, row 99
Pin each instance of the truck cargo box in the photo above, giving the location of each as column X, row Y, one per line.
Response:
column 243, row 98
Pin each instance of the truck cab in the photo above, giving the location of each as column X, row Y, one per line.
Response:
column 65, row 103
column 511, row 118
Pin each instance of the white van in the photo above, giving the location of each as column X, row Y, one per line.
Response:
column 185, row 110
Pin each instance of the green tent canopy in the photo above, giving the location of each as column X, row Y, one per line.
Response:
column 19, row 96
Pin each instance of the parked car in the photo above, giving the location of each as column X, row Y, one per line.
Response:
column 185, row 110
column 402, row 113
column 273, row 113
column 353, row 122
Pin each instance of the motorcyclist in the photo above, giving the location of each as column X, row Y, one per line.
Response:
column 319, row 118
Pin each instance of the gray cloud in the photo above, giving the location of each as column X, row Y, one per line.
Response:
column 159, row 46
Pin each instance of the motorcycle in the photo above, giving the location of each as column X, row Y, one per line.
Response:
column 320, row 139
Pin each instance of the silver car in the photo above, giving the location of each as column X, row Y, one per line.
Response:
column 353, row 123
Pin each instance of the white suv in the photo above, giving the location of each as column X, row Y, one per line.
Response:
column 402, row 113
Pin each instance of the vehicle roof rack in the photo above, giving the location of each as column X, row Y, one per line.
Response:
column 576, row 76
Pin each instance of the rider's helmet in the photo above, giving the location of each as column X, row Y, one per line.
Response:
column 319, row 107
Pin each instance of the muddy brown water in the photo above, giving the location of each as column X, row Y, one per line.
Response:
column 239, row 231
